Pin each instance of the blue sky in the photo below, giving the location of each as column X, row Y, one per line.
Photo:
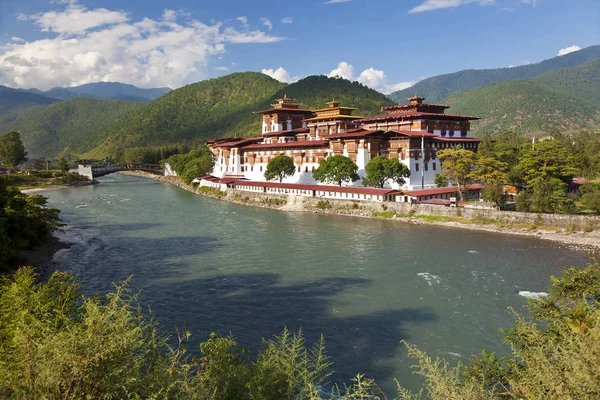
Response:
column 386, row 44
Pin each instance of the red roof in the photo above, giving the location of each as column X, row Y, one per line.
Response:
column 402, row 106
column 414, row 133
column 442, row 190
column 412, row 114
column 326, row 188
column 307, row 143
column 233, row 142
column 453, row 139
column 360, row 133
column 302, row 110
column 579, row 181
column 287, row 132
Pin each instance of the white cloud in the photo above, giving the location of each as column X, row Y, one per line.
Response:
column 221, row 69
column 244, row 21
column 169, row 15
column 267, row 23
column 103, row 45
column 75, row 19
column 279, row 74
column 343, row 70
column 429, row 5
column 17, row 39
column 287, row 20
column 568, row 50
column 336, row 1
column 371, row 77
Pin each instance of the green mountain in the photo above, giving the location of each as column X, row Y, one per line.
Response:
column 72, row 126
column 224, row 107
column 13, row 100
column 564, row 99
column 108, row 91
column 439, row 87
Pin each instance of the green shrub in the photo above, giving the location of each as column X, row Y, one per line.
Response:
column 571, row 227
column 273, row 201
column 323, row 205
column 59, row 344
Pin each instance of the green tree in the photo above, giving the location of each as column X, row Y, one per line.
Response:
column 279, row 168
column 440, row 180
column 191, row 165
column 336, row 169
column 492, row 172
column 590, row 197
column 12, row 150
column 381, row 169
column 63, row 165
column 545, row 160
column 457, row 166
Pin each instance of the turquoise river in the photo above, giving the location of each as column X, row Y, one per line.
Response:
column 365, row 284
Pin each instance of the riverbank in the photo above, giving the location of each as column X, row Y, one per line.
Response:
column 576, row 232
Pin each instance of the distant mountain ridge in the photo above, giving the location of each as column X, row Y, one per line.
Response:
column 560, row 100
column 193, row 113
column 437, row 88
column 99, row 90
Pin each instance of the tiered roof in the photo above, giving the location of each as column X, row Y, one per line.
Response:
column 285, row 104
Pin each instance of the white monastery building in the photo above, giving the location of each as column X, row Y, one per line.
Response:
column 412, row 132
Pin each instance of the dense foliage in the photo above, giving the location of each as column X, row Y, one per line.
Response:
column 279, row 168
column 564, row 100
column 12, row 150
column 437, row 88
column 192, row 165
column 208, row 109
column 25, row 222
column 70, row 127
column 458, row 166
column 58, row 344
column 381, row 169
column 336, row 170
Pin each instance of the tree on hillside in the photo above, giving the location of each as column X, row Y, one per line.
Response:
column 63, row 165
column 336, row 169
column 12, row 150
column 492, row 173
column 381, row 169
column 457, row 166
column 279, row 168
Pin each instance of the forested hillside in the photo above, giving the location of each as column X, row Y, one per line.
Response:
column 12, row 100
column 224, row 107
column 67, row 127
column 561, row 100
column 439, row 87
column 108, row 91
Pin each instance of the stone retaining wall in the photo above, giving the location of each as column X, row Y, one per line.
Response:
column 366, row 208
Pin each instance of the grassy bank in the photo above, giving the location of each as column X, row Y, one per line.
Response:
column 43, row 179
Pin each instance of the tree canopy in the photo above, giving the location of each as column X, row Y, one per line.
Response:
column 336, row 169
column 192, row 165
column 12, row 150
column 381, row 169
column 457, row 166
column 279, row 168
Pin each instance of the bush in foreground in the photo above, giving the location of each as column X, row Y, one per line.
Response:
column 56, row 343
